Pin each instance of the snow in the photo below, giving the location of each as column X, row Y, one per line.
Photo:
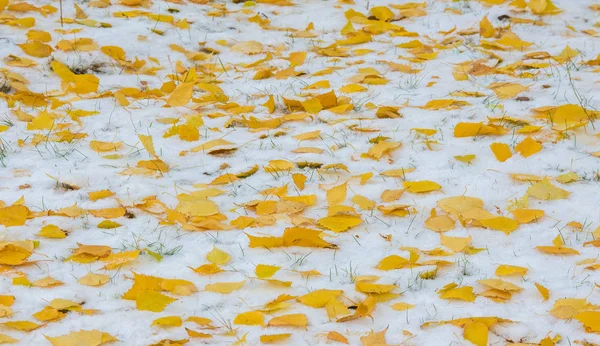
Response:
column 361, row 248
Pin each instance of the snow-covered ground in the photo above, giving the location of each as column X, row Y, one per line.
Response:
column 194, row 128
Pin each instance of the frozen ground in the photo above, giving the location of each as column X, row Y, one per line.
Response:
column 65, row 135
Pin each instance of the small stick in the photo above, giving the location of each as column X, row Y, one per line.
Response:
column 61, row 13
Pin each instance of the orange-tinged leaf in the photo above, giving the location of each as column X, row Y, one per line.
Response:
column 501, row 151
column 527, row 215
column 291, row 320
column 557, row 250
column 225, row 287
column 456, row 244
column 374, row 338
column 274, row 338
column 92, row 279
column 168, row 321
column 82, row 338
column 36, row 49
column 335, row 336
column 392, row 262
column 500, row 285
column 24, row 326
column 528, row 147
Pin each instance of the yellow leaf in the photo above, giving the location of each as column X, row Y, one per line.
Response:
column 312, row 106
column 291, row 320
column 567, row 308
column 319, row 298
column 363, row 202
column 117, row 260
column 486, row 29
column 14, row 215
column 96, row 195
column 147, row 300
column 273, row 338
column 466, row 158
column 567, row 178
column 506, row 90
column 382, row 148
column 370, row 288
column 527, row 215
column 464, row 129
column 401, row 306
column 263, row 271
column 217, row 256
column 82, row 338
column 335, row 336
column 36, row 49
column 224, row 287
column 24, row 326
column 507, row 270
column 537, row 6
column 108, row 224
column 382, row 13
column 304, row 237
column 477, row 333
column 41, row 122
column 461, row 293
column 52, row 231
column 421, row 186
column 105, row 146
column 337, row 194
column 339, row 223
column 528, row 147
column 181, row 95
column 501, row 151
column 590, row 321
column 352, row 88
column 544, row 190
column 248, row 47
column 148, row 144
column 195, row 334
column 5, row 339
column 200, row 207
column 393, row 262
column 299, row 180
column 500, row 223
column 250, row 318
column 278, row 166
column 169, row 321
column 455, row 244
column 92, row 279
column 374, row 338
column 208, row 269
column 500, row 285
column 270, row 104
column 439, row 223
column 114, row 52
column 108, row 213
column 557, row 250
